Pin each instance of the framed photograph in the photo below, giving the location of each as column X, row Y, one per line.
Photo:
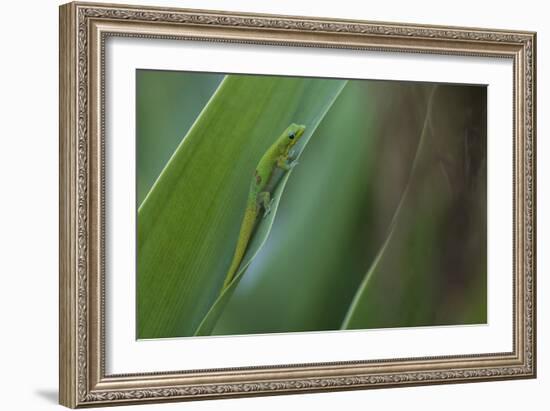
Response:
column 259, row 204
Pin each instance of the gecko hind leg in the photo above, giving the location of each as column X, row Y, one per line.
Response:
column 265, row 200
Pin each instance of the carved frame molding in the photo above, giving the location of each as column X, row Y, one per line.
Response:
column 84, row 27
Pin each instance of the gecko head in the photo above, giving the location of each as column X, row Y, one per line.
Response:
column 293, row 133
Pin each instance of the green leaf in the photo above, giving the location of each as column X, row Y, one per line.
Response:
column 434, row 250
column 357, row 312
column 188, row 224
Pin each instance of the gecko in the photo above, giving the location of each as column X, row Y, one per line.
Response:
column 274, row 164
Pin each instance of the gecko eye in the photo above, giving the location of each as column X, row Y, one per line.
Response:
column 291, row 136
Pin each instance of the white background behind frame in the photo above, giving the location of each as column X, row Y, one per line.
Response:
column 126, row 355
column 29, row 146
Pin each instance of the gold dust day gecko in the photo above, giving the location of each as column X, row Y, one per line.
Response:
column 274, row 164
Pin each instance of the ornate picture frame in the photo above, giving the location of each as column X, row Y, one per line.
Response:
column 84, row 30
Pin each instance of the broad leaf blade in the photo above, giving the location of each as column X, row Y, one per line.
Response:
column 189, row 222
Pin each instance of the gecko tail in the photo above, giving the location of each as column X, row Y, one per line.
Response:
column 245, row 233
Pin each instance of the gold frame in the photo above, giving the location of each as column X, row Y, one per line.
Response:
column 83, row 30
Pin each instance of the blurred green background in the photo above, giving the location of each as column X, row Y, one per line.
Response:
column 382, row 223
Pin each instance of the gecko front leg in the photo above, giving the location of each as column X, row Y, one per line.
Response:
column 282, row 166
column 287, row 163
